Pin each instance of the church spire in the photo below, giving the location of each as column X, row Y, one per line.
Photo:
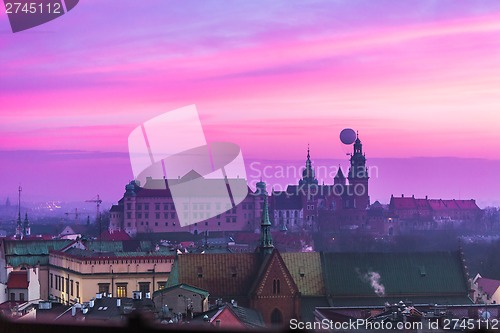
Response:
column 19, row 226
column 308, row 176
column 266, row 240
column 27, row 229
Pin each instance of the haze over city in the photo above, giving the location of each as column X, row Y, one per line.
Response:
column 419, row 82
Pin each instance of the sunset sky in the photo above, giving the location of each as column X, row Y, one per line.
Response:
column 418, row 79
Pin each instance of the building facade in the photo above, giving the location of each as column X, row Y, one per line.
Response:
column 77, row 274
column 151, row 209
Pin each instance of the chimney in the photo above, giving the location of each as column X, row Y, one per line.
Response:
column 425, row 197
column 85, row 310
column 73, row 311
column 91, row 303
column 217, row 323
column 148, row 295
column 98, row 296
column 118, row 302
column 402, row 195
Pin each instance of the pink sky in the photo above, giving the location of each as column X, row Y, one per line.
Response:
column 416, row 78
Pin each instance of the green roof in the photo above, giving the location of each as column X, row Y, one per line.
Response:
column 38, row 247
column 173, row 277
column 184, row 286
column 397, row 274
column 104, row 246
column 16, row 261
column 309, row 304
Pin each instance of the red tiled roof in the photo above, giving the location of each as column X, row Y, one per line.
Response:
column 114, row 236
column 223, row 275
column 467, row 204
column 438, row 204
column 434, row 204
column 422, row 203
column 403, row 203
column 489, row 286
column 18, row 280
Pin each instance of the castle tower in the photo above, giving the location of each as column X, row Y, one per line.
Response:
column 358, row 177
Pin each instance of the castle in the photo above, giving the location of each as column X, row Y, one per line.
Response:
column 307, row 206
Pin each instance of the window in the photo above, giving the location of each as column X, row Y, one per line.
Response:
column 157, row 215
column 129, row 215
column 121, row 290
column 144, row 287
column 146, row 215
column 21, row 297
column 165, row 215
column 146, row 206
column 12, row 297
column 234, row 219
column 78, row 289
column 172, row 215
column 139, row 207
column 156, row 224
column 166, row 224
column 199, row 269
column 276, row 286
column 71, row 286
column 103, row 288
column 227, row 219
column 157, row 206
column 165, row 206
column 138, row 215
column 161, row 284
column 129, row 206
column 51, row 280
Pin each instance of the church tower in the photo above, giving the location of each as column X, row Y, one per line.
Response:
column 339, row 178
column 358, row 177
column 27, row 228
column 266, row 245
column 308, row 177
column 19, row 225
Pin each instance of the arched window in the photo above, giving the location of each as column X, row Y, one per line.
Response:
column 276, row 317
column 276, row 286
